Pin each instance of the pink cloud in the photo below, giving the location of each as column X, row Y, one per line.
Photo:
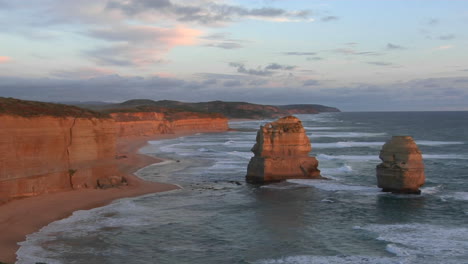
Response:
column 140, row 45
column 4, row 59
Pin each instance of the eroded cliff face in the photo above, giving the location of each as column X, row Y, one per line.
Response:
column 141, row 124
column 402, row 167
column 282, row 152
column 152, row 123
column 46, row 153
column 60, row 151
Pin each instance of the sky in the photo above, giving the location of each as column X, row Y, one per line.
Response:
column 368, row 55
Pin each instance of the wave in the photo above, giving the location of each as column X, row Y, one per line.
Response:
column 245, row 155
column 348, row 157
column 352, row 144
column 81, row 223
column 330, row 185
column 322, row 128
column 345, row 134
column 347, row 144
column 444, row 156
column 431, row 190
column 460, row 196
column 438, row 143
column 309, row 259
column 376, row 157
column 422, row 239
column 334, row 171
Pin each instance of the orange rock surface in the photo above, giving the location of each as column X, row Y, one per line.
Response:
column 402, row 167
column 43, row 154
column 151, row 123
column 282, row 152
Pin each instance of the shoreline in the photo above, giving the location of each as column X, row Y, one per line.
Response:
column 21, row 217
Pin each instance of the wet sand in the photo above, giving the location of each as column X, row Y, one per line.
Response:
column 21, row 217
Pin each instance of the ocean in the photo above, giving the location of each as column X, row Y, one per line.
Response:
column 218, row 218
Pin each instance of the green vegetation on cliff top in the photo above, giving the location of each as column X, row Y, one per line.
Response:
column 23, row 108
column 228, row 109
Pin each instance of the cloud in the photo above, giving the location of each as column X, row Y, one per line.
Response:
column 422, row 94
column 232, row 83
column 329, row 18
column 380, row 63
column 298, row 53
column 432, row 22
column 4, row 59
column 391, row 46
column 223, row 41
column 265, row 71
column 225, row 45
column 204, row 12
column 349, row 51
column 242, row 69
column 138, row 45
column 276, row 66
column 444, row 47
column 314, row 58
column 311, row 83
column 81, row 73
column 447, row 37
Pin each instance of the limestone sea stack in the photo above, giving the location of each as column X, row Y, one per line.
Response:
column 282, row 152
column 402, row 167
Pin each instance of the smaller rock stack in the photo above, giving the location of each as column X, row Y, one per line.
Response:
column 402, row 167
column 282, row 152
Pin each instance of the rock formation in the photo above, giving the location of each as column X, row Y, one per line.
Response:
column 48, row 147
column 282, row 152
column 130, row 124
column 49, row 153
column 402, row 168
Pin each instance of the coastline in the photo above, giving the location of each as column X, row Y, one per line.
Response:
column 21, row 217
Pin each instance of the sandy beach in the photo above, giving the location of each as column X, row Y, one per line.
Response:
column 21, row 217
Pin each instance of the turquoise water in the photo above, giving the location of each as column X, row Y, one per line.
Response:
column 218, row 218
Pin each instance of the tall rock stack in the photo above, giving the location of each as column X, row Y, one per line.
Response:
column 402, row 167
column 282, row 152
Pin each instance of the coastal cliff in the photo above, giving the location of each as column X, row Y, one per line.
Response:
column 52, row 147
column 155, row 123
column 67, row 148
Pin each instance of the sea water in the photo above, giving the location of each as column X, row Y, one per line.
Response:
column 218, row 218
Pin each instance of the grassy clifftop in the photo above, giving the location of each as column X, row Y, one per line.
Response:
column 24, row 108
column 228, row 109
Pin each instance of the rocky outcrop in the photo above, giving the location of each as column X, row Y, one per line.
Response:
column 152, row 123
column 49, row 153
column 282, row 152
column 402, row 167
column 141, row 124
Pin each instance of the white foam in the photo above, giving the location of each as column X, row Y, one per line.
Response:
column 348, row 157
column 347, row 144
column 322, row 128
column 444, row 156
column 460, row 196
column 431, row 190
column 438, row 143
column 345, row 134
column 245, row 155
column 396, row 250
column 309, row 259
column 334, row 171
column 330, row 185
column 423, row 239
